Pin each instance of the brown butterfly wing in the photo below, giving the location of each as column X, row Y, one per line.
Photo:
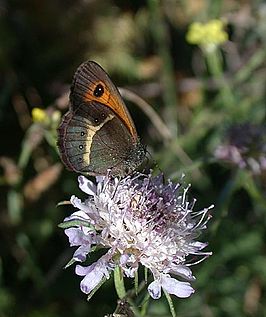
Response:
column 88, row 76
column 93, row 148
column 98, row 133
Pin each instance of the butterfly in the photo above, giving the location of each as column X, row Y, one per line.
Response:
column 97, row 134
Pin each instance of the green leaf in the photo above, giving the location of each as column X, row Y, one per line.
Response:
column 146, row 274
column 119, row 283
column 72, row 261
column 75, row 223
column 64, row 202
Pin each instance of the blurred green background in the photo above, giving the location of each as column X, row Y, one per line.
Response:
column 210, row 99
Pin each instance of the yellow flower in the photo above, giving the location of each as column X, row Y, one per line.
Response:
column 209, row 34
column 39, row 115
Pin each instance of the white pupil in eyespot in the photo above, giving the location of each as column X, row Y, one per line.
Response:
column 98, row 91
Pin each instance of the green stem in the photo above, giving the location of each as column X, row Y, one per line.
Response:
column 170, row 303
column 215, row 66
column 136, row 282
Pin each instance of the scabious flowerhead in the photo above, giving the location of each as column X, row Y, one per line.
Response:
column 245, row 147
column 208, row 35
column 138, row 220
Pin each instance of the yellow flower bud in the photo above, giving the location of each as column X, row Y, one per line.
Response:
column 39, row 115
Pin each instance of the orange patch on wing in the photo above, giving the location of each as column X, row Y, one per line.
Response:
column 114, row 103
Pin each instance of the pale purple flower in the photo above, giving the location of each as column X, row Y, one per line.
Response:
column 245, row 147
column 138, row 220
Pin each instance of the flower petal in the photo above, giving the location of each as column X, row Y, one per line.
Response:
column 199, row 245
column 81, row 253
column 76, row 237
column 86, row 186
column 175, row 287
column 154, row 289
column 182, row 271
column 93, row 275
column 100, row 179
column 91, row 280
column 77, row 215
column 76, row 202
column 84, row 270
